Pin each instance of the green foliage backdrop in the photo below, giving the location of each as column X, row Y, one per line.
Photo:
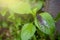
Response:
column 22, row 22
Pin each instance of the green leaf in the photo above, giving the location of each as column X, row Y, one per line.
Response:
column 26, row 7
column 37, row 6
column 3, row 11
column 34, row 38
column 45, row 23
column 4, row 24
column 27, row 31
column 58, row 36
column 21, row 8
column 17, row 6
column 57, row 17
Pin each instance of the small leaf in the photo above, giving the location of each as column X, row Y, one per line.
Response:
column 27, row 31
column 4, row 24
column 45, row 23
column 58, row 35
column 57, row 17
column 37, row 6
column 3, row 12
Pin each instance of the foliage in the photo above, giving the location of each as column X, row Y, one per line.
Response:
column 46, row 23
column 57, row 17
column 20, row 21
